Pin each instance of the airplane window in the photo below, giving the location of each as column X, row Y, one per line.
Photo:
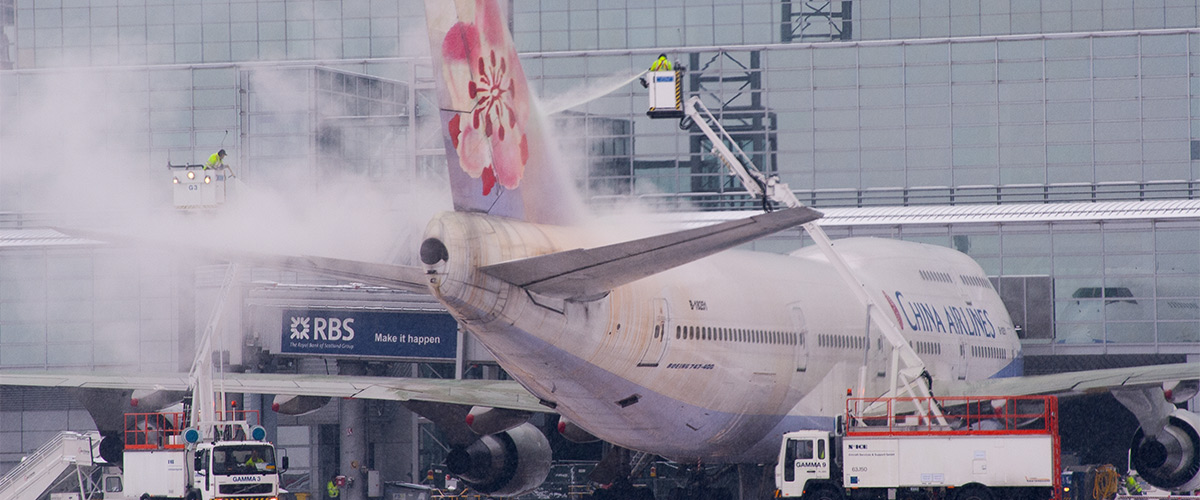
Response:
column 678, row 329
column 657, row 331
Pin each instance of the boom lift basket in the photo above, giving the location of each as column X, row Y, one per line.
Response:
column 197, row 187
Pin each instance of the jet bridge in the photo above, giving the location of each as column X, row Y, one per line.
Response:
column 67, row 453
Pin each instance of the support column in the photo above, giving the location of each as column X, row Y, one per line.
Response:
column 1193, row 404
column 352, row 422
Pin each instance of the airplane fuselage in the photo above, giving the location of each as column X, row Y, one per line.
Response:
column 715, row 359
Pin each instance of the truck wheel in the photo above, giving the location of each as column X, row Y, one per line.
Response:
column 827, row 493
column 192, row 495
column 974, row 492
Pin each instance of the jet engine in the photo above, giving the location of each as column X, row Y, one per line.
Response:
column 1171, row 460
column 503, row 464
column 112, row 448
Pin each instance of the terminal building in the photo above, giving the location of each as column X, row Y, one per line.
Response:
column 1056, row 142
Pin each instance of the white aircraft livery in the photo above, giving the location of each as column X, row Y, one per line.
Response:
column 676, row 345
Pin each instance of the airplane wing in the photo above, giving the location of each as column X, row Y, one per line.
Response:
column 1073, row 383
column 494, row 393
column 594, row 271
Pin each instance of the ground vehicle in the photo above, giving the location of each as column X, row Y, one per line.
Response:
column 214, row 460
column 982, row 449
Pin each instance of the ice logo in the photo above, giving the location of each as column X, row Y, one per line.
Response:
column 299, row 328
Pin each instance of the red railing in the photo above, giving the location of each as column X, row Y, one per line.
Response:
column 963, row 415
column 153, row 431
column 161, row 431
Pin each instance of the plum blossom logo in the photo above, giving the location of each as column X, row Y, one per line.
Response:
column 299, row 328
column 490, row 140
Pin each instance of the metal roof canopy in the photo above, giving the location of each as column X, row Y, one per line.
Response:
column 40, row 237
column 976, row 214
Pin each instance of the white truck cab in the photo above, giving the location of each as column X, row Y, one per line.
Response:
column 804, row 460
column 237, row 469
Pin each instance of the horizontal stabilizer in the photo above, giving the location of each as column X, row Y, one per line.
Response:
column 371, row 273
column 387, row 275
column 583, row 273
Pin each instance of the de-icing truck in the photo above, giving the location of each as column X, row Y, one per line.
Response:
column 992, row 448
column 219, row 460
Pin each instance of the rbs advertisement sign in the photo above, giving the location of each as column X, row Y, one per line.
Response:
column 362, row 333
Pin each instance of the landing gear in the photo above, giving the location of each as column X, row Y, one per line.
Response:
column 700, row 485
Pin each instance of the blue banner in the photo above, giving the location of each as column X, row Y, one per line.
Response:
column 363, row 333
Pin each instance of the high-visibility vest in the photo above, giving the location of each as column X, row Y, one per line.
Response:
column 661, row 64
column 213, row 161
column 333, row 490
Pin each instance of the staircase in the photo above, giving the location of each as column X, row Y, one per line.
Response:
column 38, row 472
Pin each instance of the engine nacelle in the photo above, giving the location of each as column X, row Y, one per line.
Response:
column 574, row 433
column 1171, row 460
column 112, row 449
column 485, row 420
column 149, row 400
column 505, row 464
column 298, row 405
column 1181, row 391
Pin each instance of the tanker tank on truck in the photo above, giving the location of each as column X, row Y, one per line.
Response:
column 991, row 448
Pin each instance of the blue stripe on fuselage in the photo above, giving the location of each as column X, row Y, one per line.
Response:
column 1014, row 369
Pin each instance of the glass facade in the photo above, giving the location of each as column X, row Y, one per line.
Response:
column 551, row 26
column 113, row 33
column 1089, row 287
column 88, row 308
column 1076, row 117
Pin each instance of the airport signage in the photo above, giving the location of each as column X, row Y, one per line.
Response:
column 366, row 333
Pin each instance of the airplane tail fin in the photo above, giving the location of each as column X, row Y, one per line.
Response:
column 499, row 159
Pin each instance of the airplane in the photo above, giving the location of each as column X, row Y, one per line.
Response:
column 678, row 345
